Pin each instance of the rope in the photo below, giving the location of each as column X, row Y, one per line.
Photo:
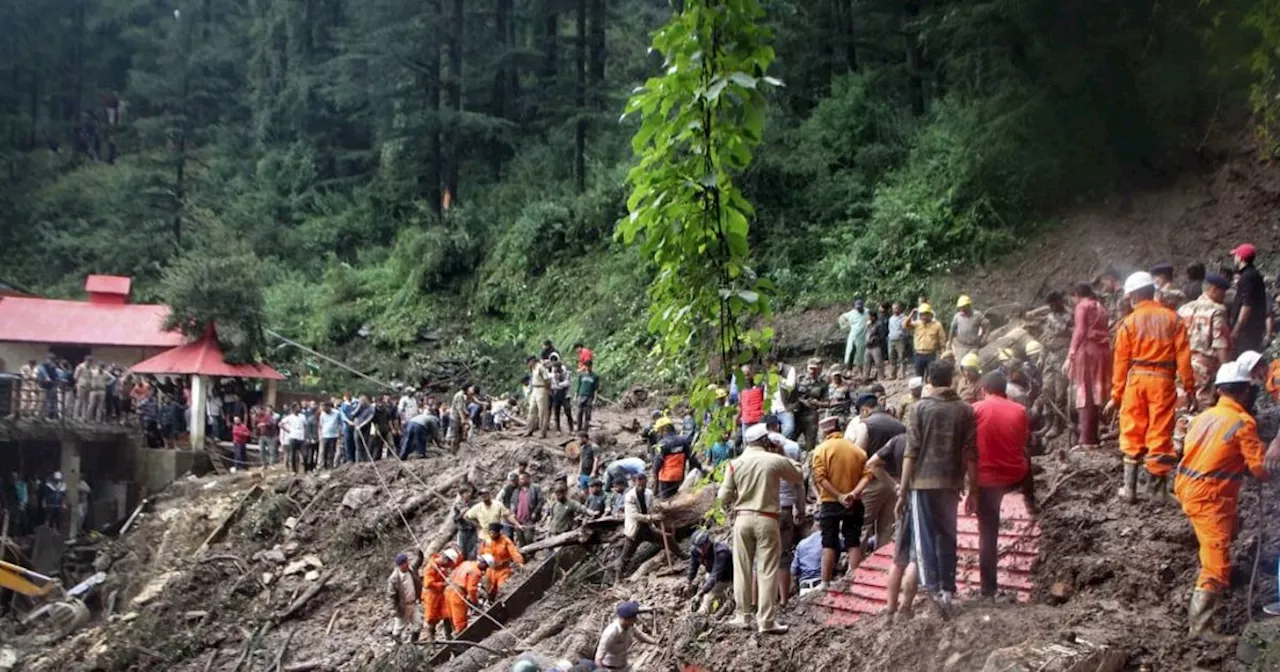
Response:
column 417, row 542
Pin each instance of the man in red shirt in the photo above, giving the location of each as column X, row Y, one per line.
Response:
column 584, row 355
column 1003, row 466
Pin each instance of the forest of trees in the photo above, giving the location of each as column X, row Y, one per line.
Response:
column 443, row 172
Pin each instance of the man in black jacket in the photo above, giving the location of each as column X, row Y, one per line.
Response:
column 717, row 559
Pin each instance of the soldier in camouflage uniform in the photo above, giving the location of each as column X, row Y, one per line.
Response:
column 1055, row 335
column 1111, row 296
column 1166, row 292
column 811, row 397
column 1208, row 334
column 840, row 397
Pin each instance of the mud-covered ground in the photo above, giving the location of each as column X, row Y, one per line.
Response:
column 1114, row 576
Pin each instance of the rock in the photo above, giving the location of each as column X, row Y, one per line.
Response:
column 1061, row 591
column 295, row 567
column 1259, row 645
column 8, row 658
column 290, row 522
column 125, row 618
column 312, row 561
column 357, row 497
column 313, row 575
column 1055, row 657
column 290, row 548
column 268, row 578
column 276, row 556
column 954, row 660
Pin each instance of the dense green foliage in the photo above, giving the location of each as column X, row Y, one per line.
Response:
column 447, row 176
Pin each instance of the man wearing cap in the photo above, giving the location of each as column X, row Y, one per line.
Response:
column 750, row 491
column 403, row 589
column 928, row 337
column 1221, row 446
column 637, row 521
column 837, row 467
column 1208, row 334
column 503, row 555
column 811, row 397
column 561, row 515
column 940, row 458
column 539, row 397
column 673, row 458
column 840, row 396
column 1166, row 292
column 855, row 346
column 464, row 591
column 908, row 399
column 435, row 578
column 969, row 387
column 968, row 329
column 1251, row 302
column 717, row 559
column 1151, row 353
column 615, row 642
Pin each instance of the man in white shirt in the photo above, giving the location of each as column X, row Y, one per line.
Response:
column 616, row 639
column 783, row 401
column 213, row 411
column 293, row 428
column 637, row 519
column 407, row 407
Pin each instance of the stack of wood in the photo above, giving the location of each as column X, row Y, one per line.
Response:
column 446, row 375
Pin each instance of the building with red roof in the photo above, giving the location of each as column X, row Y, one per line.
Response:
column 105, row 325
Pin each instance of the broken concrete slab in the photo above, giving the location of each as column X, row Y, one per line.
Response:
column 1078, row 656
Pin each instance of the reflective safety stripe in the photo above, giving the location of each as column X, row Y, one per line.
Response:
column 1216, row 474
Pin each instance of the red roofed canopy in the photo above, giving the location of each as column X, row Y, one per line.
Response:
column 203, row 358
column 33, row 320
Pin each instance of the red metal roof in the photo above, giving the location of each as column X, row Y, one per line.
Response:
column 1018, row 546
column 108, row 284
column 204, row 358
column 32, row 320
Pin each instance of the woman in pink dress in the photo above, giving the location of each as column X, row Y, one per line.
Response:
column 1089, row 361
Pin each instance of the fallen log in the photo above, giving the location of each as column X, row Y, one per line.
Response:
column 302, row 600
column 575, row 536
column 221, row 530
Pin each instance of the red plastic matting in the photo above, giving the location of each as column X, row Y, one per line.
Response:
column 1019, row 545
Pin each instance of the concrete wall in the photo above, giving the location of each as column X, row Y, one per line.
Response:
column 156, row 468
column 14, row 355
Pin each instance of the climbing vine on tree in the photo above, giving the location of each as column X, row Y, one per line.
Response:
column 701, row 119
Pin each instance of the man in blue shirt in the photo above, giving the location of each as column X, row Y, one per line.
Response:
column 330, row 430
column 806, row 567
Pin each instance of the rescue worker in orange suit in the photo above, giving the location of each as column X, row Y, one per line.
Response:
column 1151, row 354
column 464, row 590
column 435, row 578
column 673, row 458
column 504, row 553
column 1221, row 445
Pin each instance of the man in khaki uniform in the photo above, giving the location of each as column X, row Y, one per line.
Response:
column 80, row 376
column 1208, row 334
column 750, row 491
column 539, row 397
column 98, row 379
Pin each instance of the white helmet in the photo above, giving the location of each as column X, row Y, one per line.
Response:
column 1139, row 280
column 451, row 554
column 1247, row 362
column 57, row 475
column 1230, row 373
column 487, row 559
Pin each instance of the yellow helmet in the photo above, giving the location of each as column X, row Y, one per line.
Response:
column 964, row 301
column 721, row 393
column 661, row 423
column 925, row 308
column 1033, row 348
column 1005, row 354
column 971, row 361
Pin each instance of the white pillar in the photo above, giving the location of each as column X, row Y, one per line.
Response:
column 70, row 464
column 272, row 387
column 199, row 393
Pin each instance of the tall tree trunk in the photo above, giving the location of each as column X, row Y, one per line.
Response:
column 598, row 54
column 915, row 82
column 850, row 38
column 501, row 81
column 550, row 47
column 455, row 98
column 435, row 167
column 580, row 93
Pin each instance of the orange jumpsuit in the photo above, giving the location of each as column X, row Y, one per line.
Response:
column 465, row 588
column 504, row 553
column 433, row 584
column 1273, row 380
column 1221, row 444
column 1151, row 349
